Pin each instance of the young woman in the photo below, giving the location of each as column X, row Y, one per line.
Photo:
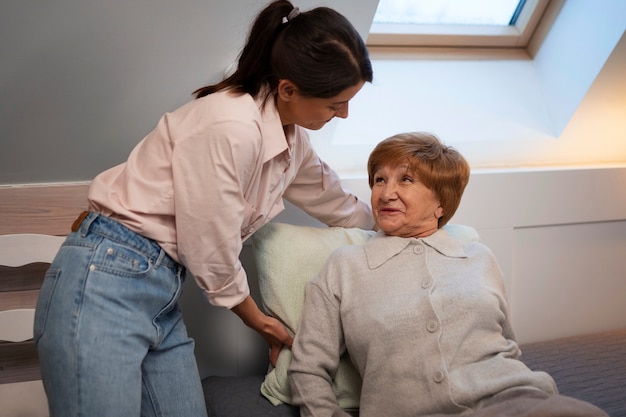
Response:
column 108, row 329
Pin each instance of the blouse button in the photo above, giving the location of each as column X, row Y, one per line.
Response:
column 438, row 377
column 426, row 283
column 432, row 326
column 418, row 249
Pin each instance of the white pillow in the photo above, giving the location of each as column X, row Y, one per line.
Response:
column 287, row 257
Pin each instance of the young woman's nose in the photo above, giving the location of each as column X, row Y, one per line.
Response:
column 343, row 111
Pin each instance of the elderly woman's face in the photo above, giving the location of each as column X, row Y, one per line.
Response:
column 402, row 205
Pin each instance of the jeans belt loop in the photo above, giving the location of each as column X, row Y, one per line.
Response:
column 78, row 223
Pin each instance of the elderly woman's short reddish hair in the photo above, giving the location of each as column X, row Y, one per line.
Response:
column 439, row 167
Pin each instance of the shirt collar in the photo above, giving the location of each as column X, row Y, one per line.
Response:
column 275, row 141
column 382, row 247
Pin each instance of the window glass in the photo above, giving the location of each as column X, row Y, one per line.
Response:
column 464, row 12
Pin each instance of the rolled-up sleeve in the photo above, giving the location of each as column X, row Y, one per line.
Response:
column 317, row 189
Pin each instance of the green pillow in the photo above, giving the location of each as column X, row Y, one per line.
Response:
column 287, row 257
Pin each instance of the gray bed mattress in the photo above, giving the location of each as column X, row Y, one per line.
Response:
column 591, row 368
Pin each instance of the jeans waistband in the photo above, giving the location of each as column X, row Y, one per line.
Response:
column 92, row 222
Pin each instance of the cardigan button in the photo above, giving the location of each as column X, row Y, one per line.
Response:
column 432, row 326
column 439, row 376
column 427, row 283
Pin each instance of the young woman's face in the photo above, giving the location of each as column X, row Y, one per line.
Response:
column 309, row 112
column 402, row 205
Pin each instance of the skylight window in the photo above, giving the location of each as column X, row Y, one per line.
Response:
column 456, row 23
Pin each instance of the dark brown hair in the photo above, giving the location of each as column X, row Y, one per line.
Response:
column 318, row 50
column 439, row 167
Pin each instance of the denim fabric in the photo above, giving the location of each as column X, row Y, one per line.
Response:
column 109, row 333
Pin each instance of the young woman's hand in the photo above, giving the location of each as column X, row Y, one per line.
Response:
column 276, row 336
column 272, row 330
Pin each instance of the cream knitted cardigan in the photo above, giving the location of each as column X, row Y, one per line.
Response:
column 425, row 321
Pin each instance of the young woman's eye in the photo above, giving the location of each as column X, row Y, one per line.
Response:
column 337, row 107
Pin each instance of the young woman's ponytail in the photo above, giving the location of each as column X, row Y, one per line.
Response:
column 318, row 50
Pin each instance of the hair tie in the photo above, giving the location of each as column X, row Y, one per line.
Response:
column 295, row 12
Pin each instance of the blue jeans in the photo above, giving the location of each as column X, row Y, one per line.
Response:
column 108, row 330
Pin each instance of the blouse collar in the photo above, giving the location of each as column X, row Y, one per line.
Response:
column 276, row 139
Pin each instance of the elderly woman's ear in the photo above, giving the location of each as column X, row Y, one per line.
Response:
column 439, row 212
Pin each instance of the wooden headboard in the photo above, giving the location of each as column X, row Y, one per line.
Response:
column 46, row 209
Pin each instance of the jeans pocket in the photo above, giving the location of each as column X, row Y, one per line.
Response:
column 43, row 302
column 121, row 260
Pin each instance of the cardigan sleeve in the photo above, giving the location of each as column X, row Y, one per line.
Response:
column 317, row 347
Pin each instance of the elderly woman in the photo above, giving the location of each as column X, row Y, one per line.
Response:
column 423, row 316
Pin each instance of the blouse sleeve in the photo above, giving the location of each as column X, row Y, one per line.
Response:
column 210, row 171
column 317, row 190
